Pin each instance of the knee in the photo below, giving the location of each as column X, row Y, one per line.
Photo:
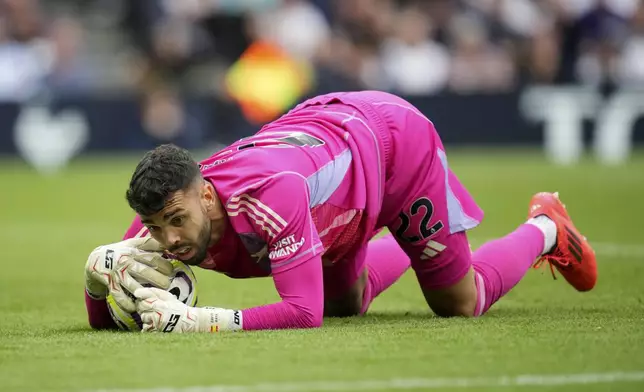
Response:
column 462, row 305
column 345, row 307
column 350, row 302
column 457, row 300
column 461, row 309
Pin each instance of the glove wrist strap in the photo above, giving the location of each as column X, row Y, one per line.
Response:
column 218, row 320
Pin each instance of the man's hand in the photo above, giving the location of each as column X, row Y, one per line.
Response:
column 118, row 268
column 161, row 311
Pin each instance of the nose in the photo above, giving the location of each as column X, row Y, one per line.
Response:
column 172, row 238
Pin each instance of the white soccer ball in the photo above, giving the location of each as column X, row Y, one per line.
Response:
column 183, row 286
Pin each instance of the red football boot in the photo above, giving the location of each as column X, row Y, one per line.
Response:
column 572, row 255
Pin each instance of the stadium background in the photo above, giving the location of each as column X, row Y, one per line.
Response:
column 515, row 87
column 204, row 73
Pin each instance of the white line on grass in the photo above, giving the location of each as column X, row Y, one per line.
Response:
column 411, row 383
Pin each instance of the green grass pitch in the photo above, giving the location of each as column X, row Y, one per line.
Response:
column 543, row 327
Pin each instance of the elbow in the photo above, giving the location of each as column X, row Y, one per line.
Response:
column 312, row 322
column 310, row 317
column 98, row 314
column 95, row 327
column 315, row 321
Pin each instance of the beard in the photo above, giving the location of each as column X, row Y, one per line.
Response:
column 201, row 247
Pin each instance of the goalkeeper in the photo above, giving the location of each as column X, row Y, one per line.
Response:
column 301, row 200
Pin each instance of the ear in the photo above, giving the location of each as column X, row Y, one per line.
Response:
column 211, row 201
column 208, row 195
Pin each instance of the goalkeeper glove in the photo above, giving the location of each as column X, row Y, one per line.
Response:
column 118, row 268
column 161, row 311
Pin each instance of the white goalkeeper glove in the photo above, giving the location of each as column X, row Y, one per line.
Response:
column 161, row 311
column 118, row 268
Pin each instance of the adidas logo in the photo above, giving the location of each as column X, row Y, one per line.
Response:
column 432, row 249
column 574, row 245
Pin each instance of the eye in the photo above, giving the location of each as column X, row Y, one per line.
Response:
column 153, row 229
column 177, row 221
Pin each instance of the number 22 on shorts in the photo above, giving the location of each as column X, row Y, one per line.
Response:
column 421, row 206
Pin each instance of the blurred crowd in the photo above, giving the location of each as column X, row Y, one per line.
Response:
column 406, row 46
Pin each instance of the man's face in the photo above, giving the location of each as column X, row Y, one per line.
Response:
column 183, row 226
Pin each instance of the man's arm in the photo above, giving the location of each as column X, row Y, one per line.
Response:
column 97, row 312
column 302, row 305
column 279, row 211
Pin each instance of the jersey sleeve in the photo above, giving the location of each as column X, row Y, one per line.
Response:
column 302, row 292
column 278, row 211
column 136, row 229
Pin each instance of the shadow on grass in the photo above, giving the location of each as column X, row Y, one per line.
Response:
column 393, row 319
column 498, row 314
column 379, row 318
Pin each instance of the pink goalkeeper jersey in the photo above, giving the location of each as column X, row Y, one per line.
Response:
column 307, row 184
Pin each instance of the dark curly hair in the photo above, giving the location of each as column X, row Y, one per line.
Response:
column 160, row 173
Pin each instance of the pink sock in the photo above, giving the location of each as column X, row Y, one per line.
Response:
column 386, row 263
column 502, row 263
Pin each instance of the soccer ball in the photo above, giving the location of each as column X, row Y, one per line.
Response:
column 183, row 286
